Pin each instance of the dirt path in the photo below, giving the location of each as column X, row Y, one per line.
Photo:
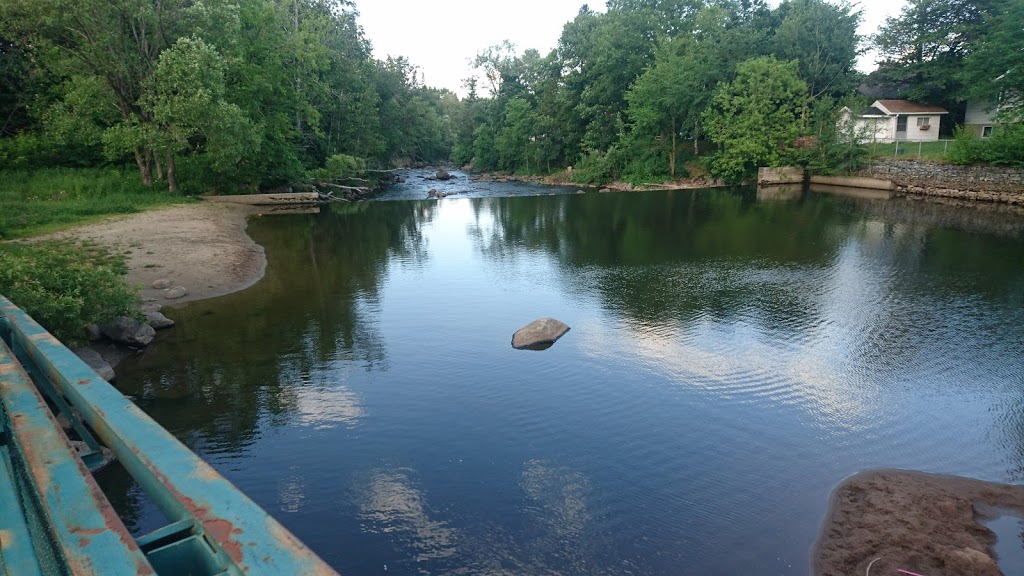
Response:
column 201, row 247
column 929, row 524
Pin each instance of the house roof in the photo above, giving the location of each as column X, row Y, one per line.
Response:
column 907, row 107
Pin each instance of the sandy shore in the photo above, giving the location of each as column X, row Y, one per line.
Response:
column 201, row 247
column 924, row 523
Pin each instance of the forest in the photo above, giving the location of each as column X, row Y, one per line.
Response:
column 241, row 95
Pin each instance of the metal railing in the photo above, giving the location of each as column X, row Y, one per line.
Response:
column 54, row 519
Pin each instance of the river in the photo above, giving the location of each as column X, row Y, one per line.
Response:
column 730, row 361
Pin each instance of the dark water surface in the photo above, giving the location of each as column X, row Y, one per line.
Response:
column 730, row 361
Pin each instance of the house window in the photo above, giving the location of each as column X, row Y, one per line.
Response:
column 901, row 123
column 986, row 131
column 923, row 121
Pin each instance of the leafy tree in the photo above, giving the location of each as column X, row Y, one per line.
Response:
column 822, row 37
column 191, row 114
column 658, row 103
column 513, row 140
column 994, row 71
column 924, row 48
column 755, row 117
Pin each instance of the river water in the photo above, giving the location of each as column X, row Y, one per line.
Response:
column 730, row 361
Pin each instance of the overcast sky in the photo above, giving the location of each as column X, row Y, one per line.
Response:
column 441, row 36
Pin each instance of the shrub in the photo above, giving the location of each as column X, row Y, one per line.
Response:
column 1005, row 147
column 65, row 287
column 595, row 167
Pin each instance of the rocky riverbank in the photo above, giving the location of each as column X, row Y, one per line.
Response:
column 565, row 179
column 999, row 184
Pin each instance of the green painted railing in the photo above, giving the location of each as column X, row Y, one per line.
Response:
column 54, row 519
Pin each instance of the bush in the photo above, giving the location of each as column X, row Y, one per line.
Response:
column 339, row 167
column 1005, row 147
column 65, row 287
column 596, row 168
column 31, row 150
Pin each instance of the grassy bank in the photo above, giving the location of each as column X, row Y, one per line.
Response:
column 40, row 201
column 936, row 151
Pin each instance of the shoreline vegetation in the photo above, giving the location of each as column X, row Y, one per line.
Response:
column 146, row 105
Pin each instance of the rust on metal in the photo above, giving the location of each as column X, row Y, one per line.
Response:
column 78, row 517
column 243, row 538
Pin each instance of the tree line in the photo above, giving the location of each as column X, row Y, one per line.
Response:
column 256, row 93
column 213, row 93
column 648, row 85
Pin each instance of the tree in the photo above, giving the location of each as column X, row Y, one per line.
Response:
column 513, row 140
column 823, row 38
column 755, row 117
column 924, row 48
column 994, row 71
column 190, row 113
column 658, row 102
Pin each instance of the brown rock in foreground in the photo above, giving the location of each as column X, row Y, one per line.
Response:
column 539, row 334
column 925, row 523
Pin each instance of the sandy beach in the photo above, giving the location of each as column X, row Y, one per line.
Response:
column 202, row 247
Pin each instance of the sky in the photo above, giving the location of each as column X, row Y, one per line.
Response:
column 442, row 36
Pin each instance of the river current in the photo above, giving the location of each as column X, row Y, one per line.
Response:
column 730, row 362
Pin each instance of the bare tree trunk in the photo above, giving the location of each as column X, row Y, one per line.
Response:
column 172, row 176
column 672, row 159
column 696, row 131
column 142, row 160
column 159, row 167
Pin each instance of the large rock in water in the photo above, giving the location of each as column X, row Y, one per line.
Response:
column 125, row 330
column 443, row 174
column 539, row 334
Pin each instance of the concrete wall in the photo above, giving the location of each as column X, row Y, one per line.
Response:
column 783, row 175
column 988, row 183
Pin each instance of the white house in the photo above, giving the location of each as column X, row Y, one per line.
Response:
column 895, row 120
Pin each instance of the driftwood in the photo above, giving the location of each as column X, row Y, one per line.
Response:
column 340, row 187
column 266, row 199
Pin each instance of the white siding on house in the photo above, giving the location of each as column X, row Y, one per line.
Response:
column 977, row 115
column 875, row 129
column 914, row 131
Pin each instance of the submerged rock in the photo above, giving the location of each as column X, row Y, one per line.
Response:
column 539, row 334
column 125, row 330
column 158, row 321
column 93, row 359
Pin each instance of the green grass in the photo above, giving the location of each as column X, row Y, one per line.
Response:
column 934, row 151
column 40, row 201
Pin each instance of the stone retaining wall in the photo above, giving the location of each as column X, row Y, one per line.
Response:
column 987, row 183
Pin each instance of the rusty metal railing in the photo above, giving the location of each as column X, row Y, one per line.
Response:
column 54, row 519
